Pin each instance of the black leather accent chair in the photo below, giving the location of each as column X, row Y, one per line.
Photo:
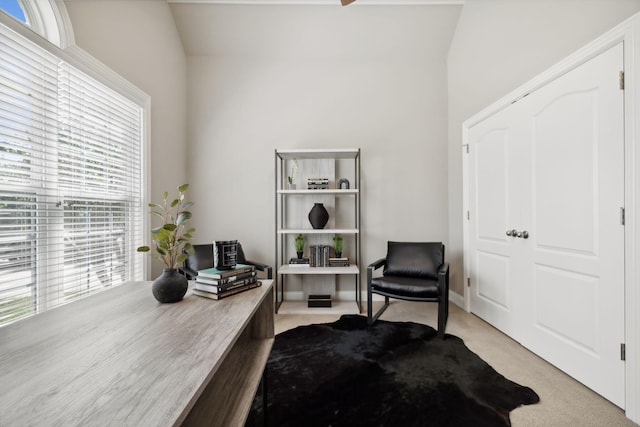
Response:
column 203, row 258
column 414, row 271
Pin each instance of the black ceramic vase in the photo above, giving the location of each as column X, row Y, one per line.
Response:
column 318, row 216
column 170, row 286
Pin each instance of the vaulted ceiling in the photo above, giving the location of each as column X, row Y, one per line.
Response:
column 317, row 29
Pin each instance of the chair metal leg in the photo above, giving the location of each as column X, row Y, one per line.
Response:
column 370, row 318
column 443, row 310
column 369, row 305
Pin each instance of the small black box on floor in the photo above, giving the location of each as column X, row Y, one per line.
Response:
column 319, row 301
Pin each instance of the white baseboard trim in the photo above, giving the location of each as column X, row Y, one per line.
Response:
column 457, row 299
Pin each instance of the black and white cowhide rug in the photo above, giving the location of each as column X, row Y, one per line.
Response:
column 389, row 374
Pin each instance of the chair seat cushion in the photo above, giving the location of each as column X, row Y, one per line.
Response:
column 412, row 287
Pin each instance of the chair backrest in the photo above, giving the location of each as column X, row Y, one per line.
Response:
column 203, row 257
column 414, row 259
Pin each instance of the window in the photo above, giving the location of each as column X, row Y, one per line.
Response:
column 14, row 9
column 71, row 211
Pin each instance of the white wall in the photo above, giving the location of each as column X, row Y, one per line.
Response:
column 138, row 40
column 246, row 102
column 499, row 45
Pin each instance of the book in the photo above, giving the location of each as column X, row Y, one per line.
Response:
column 230, row 279
column 217, row 289
column 299, row 262
column 319, row 255
column 214, row 273
column 234, row 291
column 339, row 262
column 319, row 301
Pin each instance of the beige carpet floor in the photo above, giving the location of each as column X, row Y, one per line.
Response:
column 564, row 402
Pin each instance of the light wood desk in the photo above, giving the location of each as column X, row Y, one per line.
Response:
column 120, row 358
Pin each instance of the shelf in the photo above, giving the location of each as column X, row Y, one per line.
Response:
column 292, row 205
column 321, row 192
column 287, row 269
column 319, row 231
column 300, row 307
column 338, row 153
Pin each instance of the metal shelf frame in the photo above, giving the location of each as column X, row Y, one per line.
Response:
column 282, row 233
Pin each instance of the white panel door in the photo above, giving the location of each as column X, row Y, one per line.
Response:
column 496, row 202
column 552, row 165
column 576, row 248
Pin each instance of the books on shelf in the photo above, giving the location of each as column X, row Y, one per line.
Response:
column 319, row 255
column 214, row 273
column 299, row 262
column 227, row 293
column 323, row 256
column 339, row 262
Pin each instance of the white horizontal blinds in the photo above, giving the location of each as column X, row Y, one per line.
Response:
column 99, row 180
column 70, row 182
column 27, row 113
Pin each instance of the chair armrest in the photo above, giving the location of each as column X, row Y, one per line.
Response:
column 377, row 264
column 188, row 273
column 443, row 276
column 262, row 267
column 374, row 266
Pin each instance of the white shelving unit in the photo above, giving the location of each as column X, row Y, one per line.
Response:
column 292, row 207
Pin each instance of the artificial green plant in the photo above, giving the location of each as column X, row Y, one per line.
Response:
column 171, row 239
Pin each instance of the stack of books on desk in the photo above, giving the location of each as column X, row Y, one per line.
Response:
column 217, row 284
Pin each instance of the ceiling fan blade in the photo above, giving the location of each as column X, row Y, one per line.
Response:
column 346, row 2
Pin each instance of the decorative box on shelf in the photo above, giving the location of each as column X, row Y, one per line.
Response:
column 317, row 183
column 319, row 301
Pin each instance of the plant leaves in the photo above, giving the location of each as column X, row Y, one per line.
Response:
column 188, row 248
column 170, row 227
column 183, row 188
column 154, row 205
column 181, row 258
column 158, row 214
column 183, row 216
column 175, row 202
column 165, row 195
column 156, row 230
column 143, row 249
column 187, row 205
column 161, row 250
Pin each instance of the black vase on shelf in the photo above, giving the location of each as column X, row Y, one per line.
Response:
column 170, row 286
column 318, row 216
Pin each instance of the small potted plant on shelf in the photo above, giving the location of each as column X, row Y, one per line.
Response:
column 171, row 245
column 294, row 172
column 337, row 246
column 299, row 242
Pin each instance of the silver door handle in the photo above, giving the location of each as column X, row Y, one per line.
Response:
column 509, row 232
column 525, row 234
